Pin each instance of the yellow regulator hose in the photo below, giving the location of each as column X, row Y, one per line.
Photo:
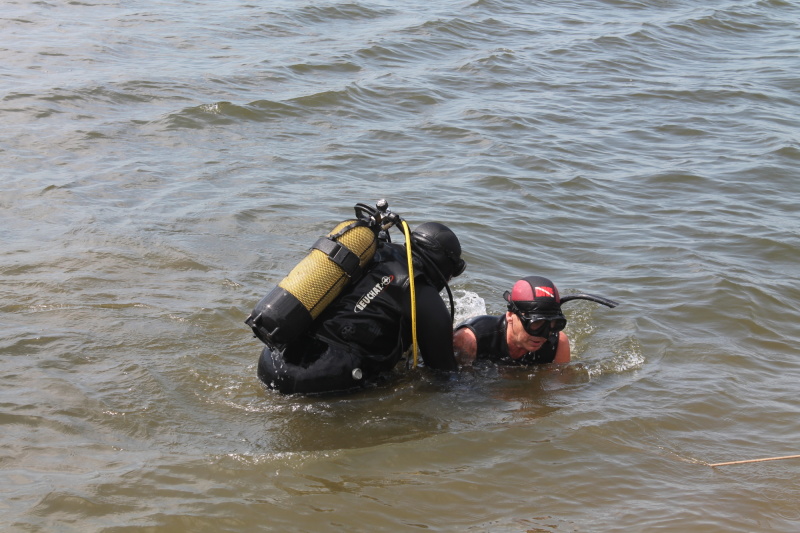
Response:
column 413, row 291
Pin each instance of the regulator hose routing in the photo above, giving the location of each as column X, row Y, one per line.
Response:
column 410, row 259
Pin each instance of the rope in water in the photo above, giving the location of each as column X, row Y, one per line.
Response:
column 756, row 460
column 413, row 292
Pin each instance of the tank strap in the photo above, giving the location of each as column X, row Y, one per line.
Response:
column 354, row 224
column 339, row 254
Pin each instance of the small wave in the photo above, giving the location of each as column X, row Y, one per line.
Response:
column 430, row 40
column 463, row 29
column 316, row 14
column 788, row 152
column 724, row 21
column 316, row 68
column 220, row 113
column 626, row 358
column 349, row 100
column 375, row 101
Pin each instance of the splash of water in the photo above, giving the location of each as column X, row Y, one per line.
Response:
column 468, row 304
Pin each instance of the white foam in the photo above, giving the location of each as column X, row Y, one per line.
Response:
column 468, row 304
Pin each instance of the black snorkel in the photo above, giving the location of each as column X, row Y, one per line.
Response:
column 591, row 297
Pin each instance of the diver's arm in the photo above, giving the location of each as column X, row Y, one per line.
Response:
column 434, row 329
column 465, row 346
column 563, row 351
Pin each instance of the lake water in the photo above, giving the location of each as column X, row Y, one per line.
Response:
column 166, row 163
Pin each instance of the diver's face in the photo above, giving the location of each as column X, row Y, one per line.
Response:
column 520, row 337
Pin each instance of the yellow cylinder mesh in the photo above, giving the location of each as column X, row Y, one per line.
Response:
column 316, row 281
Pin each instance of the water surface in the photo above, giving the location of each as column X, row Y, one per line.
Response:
column 164, row 164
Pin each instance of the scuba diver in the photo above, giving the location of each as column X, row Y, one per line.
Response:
column 363, row 331
column 530, row 332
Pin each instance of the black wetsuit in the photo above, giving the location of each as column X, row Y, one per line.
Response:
column 490, row 332
column 368, row 327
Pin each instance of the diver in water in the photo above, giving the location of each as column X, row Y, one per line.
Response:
column 530, row 332
column 367, row 328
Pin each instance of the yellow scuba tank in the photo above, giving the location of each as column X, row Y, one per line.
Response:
column 290, row 308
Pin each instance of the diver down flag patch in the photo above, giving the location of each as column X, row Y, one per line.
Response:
column 544, row 292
